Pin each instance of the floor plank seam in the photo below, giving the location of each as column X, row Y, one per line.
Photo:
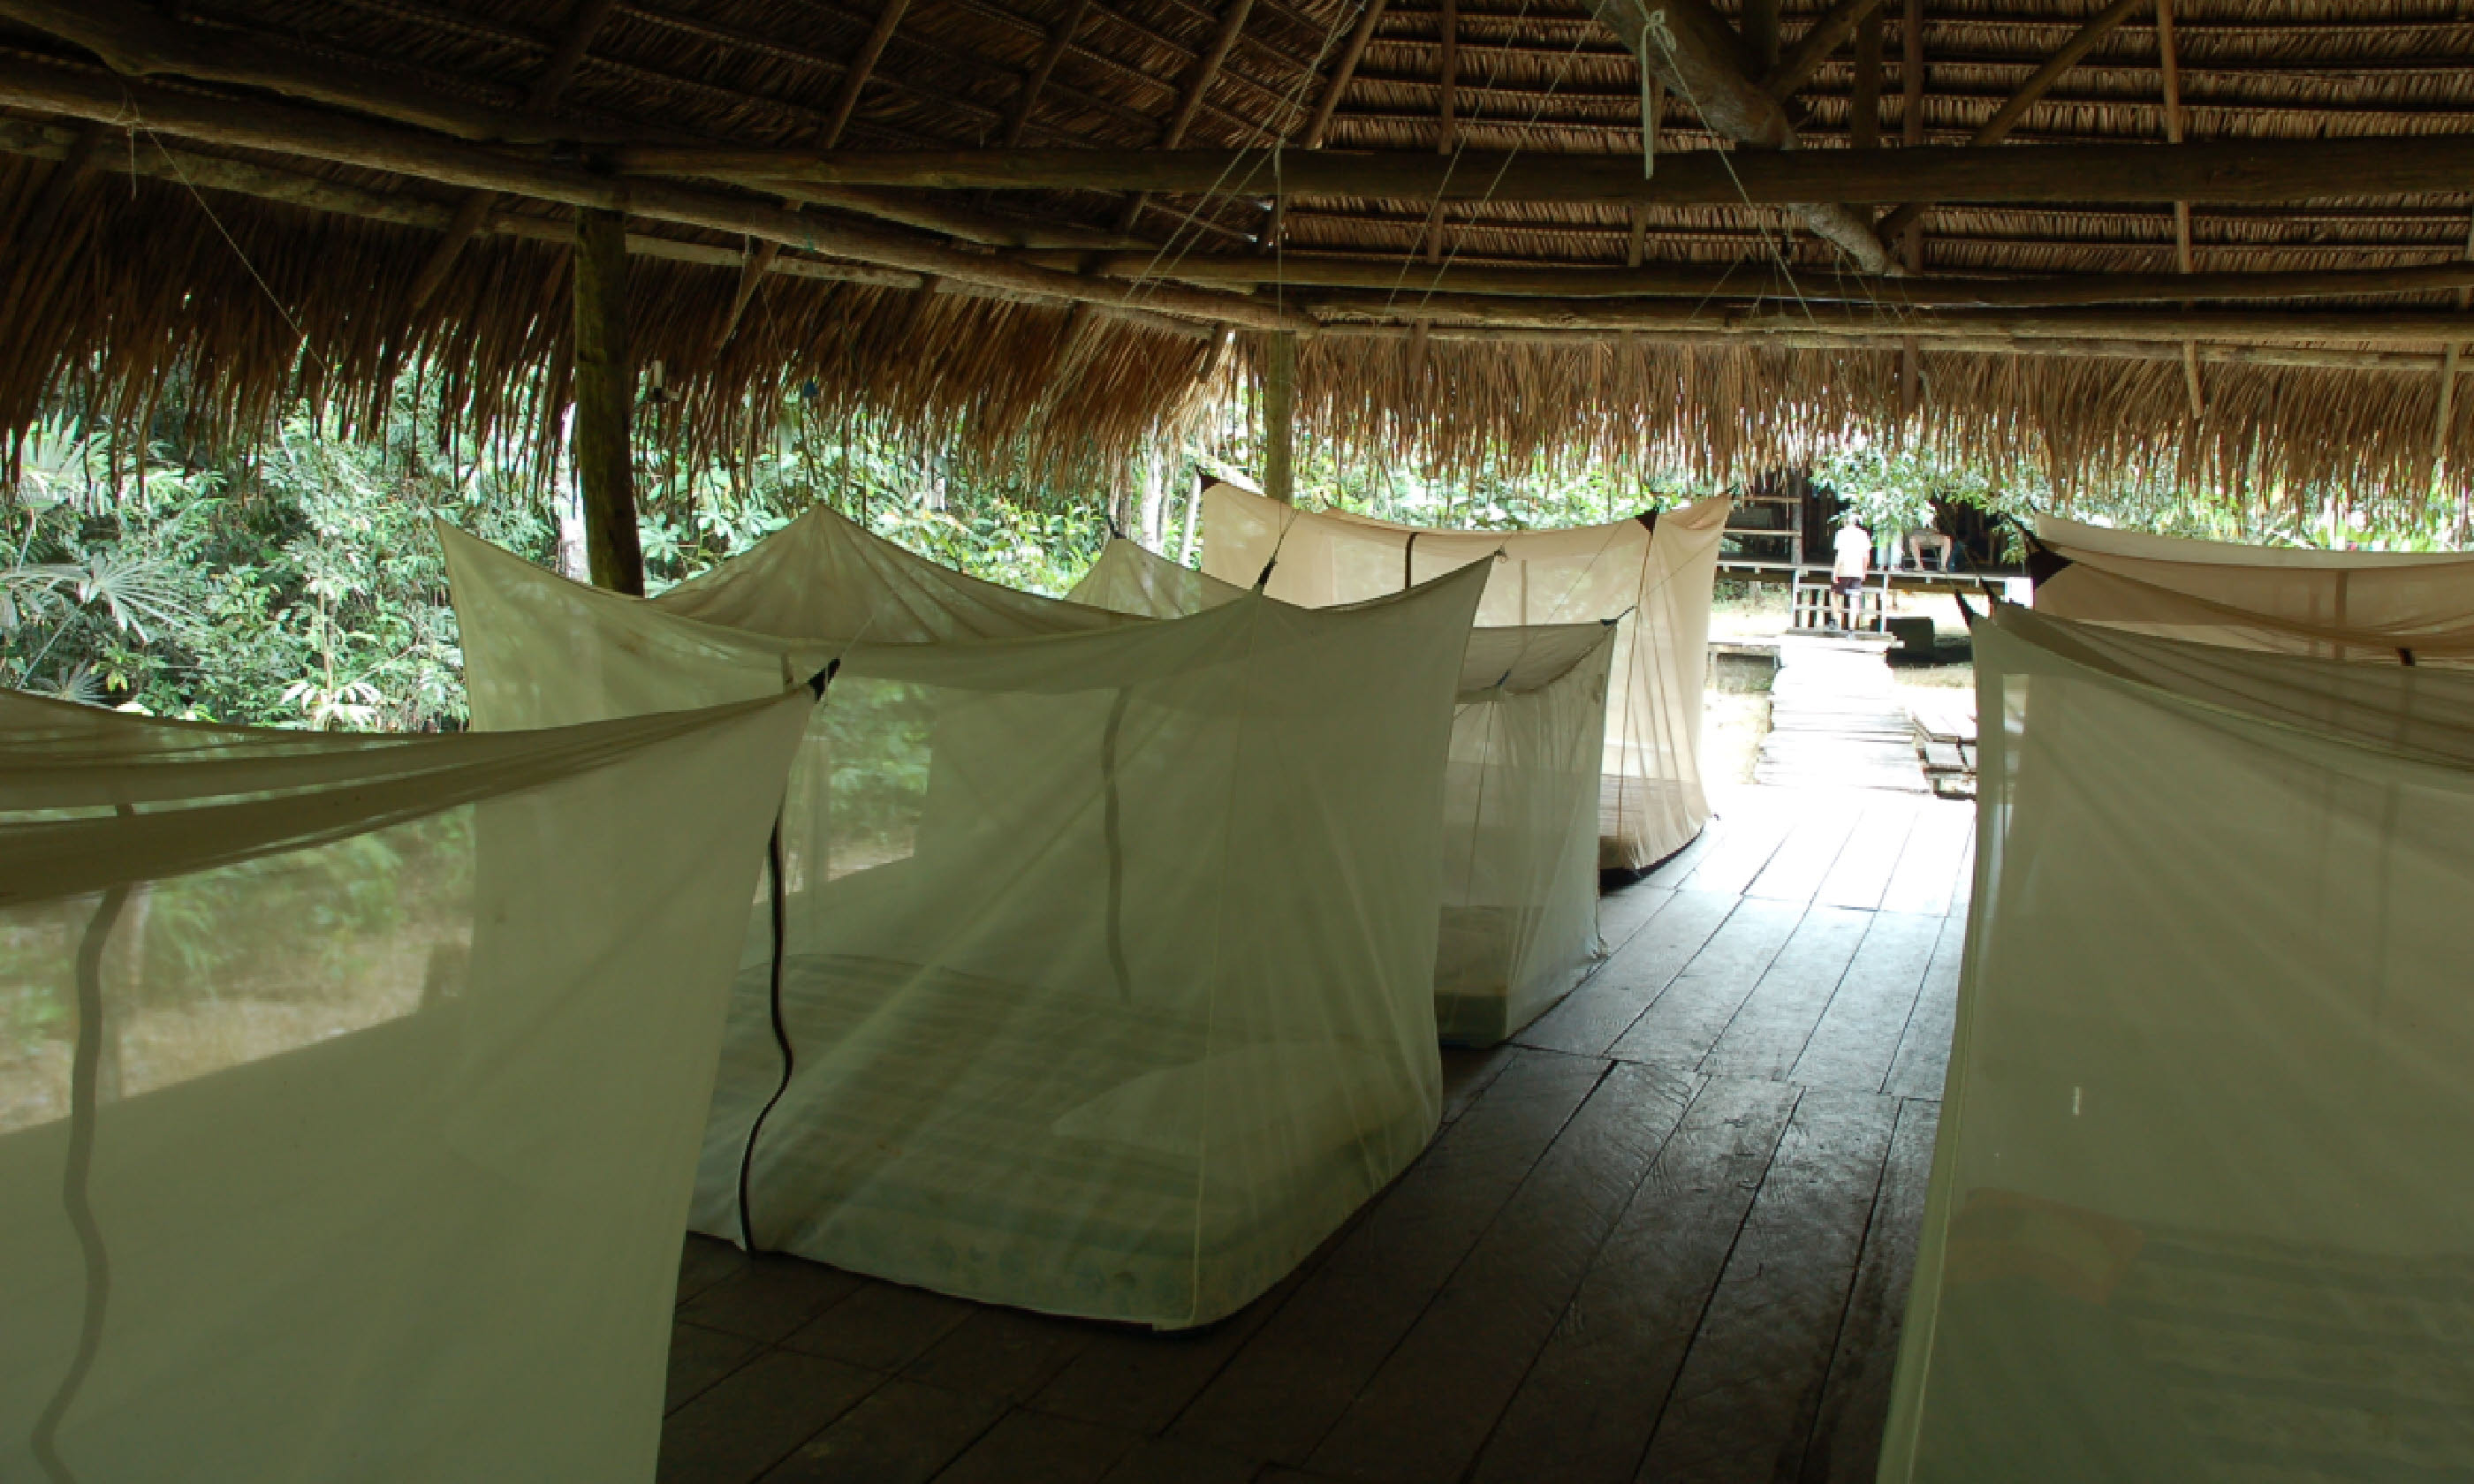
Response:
column 1701, row 1316
column 1846, row 1300
column 1648, row 1169
column 1561, row 1127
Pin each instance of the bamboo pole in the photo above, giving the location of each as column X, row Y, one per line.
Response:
column 1832, row 27
column 605, row 394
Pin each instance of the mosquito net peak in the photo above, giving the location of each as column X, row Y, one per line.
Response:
column 1653, row 574
column 355, row 1084
column 1520, row 821
column 2199, row 1209
column 2411, row 607
column 825, row 575
column 1104, row 963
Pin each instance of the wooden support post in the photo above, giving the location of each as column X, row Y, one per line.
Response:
column 1280, row 417
column 605, row 394
column 2168, row 62
column 1911, row 247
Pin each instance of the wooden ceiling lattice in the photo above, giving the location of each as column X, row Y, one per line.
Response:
column 469, row 129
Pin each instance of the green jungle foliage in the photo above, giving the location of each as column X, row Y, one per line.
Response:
column 299, row 585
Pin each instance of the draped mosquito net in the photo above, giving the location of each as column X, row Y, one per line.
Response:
column 2199, row 1209
column 1094, row 971
column 1519, row 923
column 1653, row 573
column 2389, row 607
column 355, row 1086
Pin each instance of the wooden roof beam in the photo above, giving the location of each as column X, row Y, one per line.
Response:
column 187, row 168
column 1693, row 282
column 2432, row 328
column 1709, row 65
column 316, row 134
column 2300, row 357
column 2234, row 171
column 2015, row 107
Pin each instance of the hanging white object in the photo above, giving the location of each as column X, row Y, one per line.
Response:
column 1107, row 943
column 404, row 1045
column 1520, row 819
column 2198, row 1205
column 1653, row 573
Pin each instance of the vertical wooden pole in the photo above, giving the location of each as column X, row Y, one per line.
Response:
column 1911, row 132
column 1280, row 417
column 2170, row 63
column 605, row 394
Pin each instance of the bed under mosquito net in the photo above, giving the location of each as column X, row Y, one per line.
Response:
column 1653, row 574
column 356, row 1086
column 1520, row 924
column 2392, row 608
column 1105, row 959
column 2199, row 1209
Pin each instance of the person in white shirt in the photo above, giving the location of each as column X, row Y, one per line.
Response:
column 1854, row 548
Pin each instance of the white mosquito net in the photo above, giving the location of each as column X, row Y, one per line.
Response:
column 1105, row 959
column 355, row 1086
column 2415, row 608
column 1520, row 823
column 1653, row 573
column 2198, row 1207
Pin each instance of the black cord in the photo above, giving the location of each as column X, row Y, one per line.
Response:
column 779, row 901
column 86, row 1073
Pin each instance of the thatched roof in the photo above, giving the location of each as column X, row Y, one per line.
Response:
column 267, row 193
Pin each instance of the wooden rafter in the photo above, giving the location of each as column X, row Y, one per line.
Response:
column 582, row 25
column 2015, row 107
column 1864, row 100
column 287, row 129
column 2262, row 172
column 1691, row 283
column 1206, row 71
column 1811, row 49
column 1026, row 97
column 1343, row 72
column 855, row 78
column 2424, row 327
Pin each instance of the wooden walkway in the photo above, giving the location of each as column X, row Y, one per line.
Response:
column 1665, row 1234
column 1836, row 720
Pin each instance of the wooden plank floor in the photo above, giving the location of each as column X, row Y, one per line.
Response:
column 1664, row 1234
